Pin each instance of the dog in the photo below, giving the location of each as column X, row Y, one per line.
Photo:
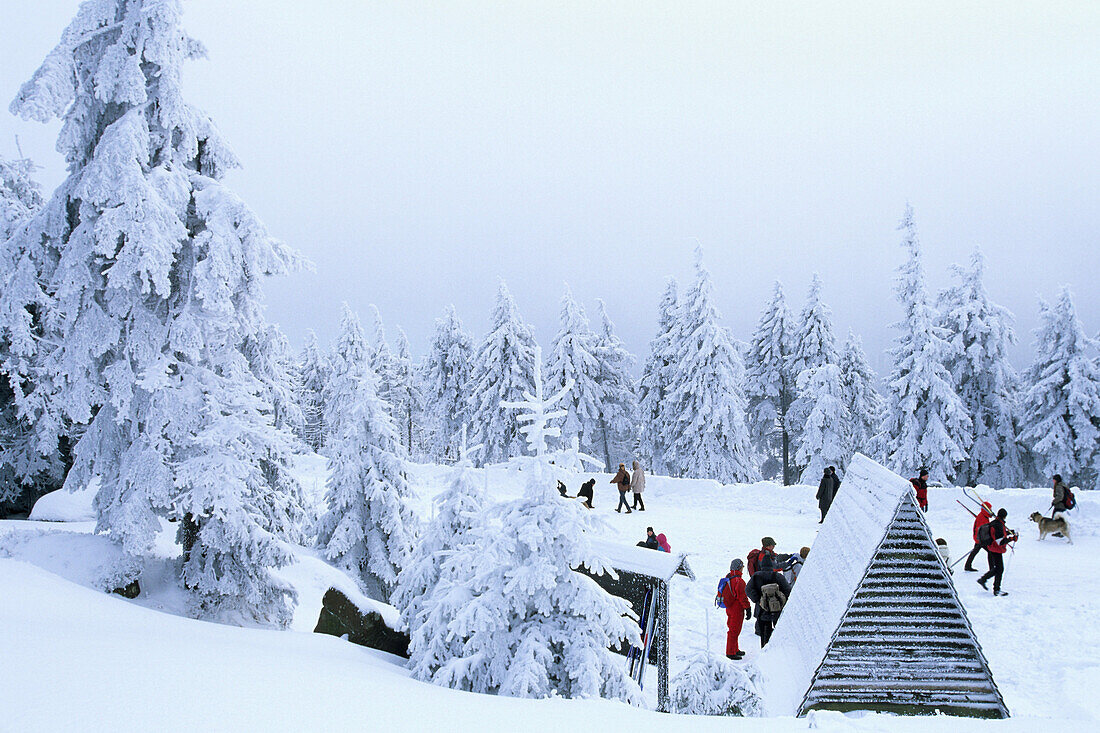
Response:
column 1050, row 526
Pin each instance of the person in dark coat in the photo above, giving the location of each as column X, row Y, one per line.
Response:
column 995, row 553
column 826, row 491
column 980, row 521
column 622, row 483
column 920, row 486
column 765, row 620
column 1059, row 503
column 586, row 492
column 738, row 608
column 650, row 541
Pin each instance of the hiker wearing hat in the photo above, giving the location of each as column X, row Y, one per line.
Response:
column 622, row 483
column 769, row 590
column 920, row 485
column 763, row 558
column 999, row 537
column 980, row 521
column 738, row 608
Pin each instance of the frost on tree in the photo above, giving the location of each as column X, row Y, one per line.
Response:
column 980, row 333
column 770, row 386
column 709, row 438
column 368, row 528
column 383, row 363
column 619, row 407
column 573, row 361
column 313, row 370
column 926, row 422
column 813, row 344
column 865, row 405
column 447, row 374
column 155, row 272
column 1061, row 403
column 501, row 372
column 821, row 412
column 655, row 412
column 408, row 406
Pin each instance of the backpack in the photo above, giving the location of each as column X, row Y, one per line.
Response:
column 771, row 598
column 718, row 602
column 985, row 535
column 1069, row 501
column 754, row 555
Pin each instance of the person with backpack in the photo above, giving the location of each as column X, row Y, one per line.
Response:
column 622, row 482
column 920, row 485
column 637, row 485
column 792, row 566
column 1063, row 497
column 763, row 557
column 980, row 520
column 731, row 596
column 826, row 491
column 769, row 590
column 994, row 538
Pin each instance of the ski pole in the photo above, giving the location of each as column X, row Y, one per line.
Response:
column 964, row 506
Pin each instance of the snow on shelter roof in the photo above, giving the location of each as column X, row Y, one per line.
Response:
column 854, row 527
column 641, row 560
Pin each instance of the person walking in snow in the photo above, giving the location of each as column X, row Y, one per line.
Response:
column 980, row 520
column 1059, row 503
column 999, row 538
column 622, row 483
column 920, row 485
column 650, row 541
column 826, row 491
column 769, row 590
column 637, row 485
column 738, row 608
column 586, row 492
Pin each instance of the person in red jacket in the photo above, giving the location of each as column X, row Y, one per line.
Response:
column 980, row 521
column 738, row 608
column 920, row 485
column 1000, row 536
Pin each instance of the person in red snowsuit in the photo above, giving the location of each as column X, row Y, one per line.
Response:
column 980, row 521
column 738, row 608
column 920, row 485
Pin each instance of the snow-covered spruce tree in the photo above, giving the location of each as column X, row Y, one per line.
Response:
column 813, row 344
column 501, row 372
column 408, row 406
column 1060, row 407
column 573, row 361
column 821, row 412
column 656, row 416
column 155, row 272
column 273, row 363
column 770, row 385
column 368, row 528
column 706, row 393
column 980, row 333
column 711, row 685
column 861, row 398
column 447, row 374
column 529, row 625
column 313, row 370
column 926, row 422
column 618, row 420
column 383, row 362
column 20, row 194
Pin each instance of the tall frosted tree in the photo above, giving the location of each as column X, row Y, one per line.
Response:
column 501, row 372
column 656, row 414
column 368, row 528
column 980, row 333
column 861, row 397
column 618, row 419
column 313, row 370
column 1061, row 400
column 383, row 362
column 823, row 415
column 573, row 361
column 447, row 373
column 706, row 393
column 926, row 422
column 154, row 272
column 408, row 402
column 813, row 344
column 770, row 386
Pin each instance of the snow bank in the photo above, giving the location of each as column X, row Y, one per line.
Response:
column 66, row 506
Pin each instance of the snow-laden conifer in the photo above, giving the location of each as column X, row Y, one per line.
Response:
column 573, row 361
column 861, row 397
column 814, row 343
column 501, row 372
column 1060, row 408
column 368, row 528
column 618, row 421
column 706, row 393
column 656, row 414
column 383, row 362
column 821, row 412
column 710, row 685
column 20, row 194
column 154, row 271
column 313, row 370
column 446, row 376
column 980, row 333
column 408, row 402
column 926, row 422
column 770, row 386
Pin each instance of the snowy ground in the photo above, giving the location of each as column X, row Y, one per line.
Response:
column 77, row 657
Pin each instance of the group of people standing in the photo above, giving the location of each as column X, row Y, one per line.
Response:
column 763, row 596
column 626, row 483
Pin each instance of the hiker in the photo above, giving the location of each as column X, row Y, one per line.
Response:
column 637, row 485
column 650, row 541
column 622, row 482
column 769, row 590
column 826, row 491
column 586, row 492
column 763, row 557
column 995, row 537
column 793, row 565
column 920, row 485
column 980, row 521
column 662, row 543
column 1060, row 491
column 738, row 608
column 562, row 490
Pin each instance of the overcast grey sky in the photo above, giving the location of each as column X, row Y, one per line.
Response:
column 417, row 152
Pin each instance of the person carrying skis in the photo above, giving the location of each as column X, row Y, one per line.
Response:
column 995, row 538
column 738, row 608
column 769, row 590
column 920, row 485
column 622, row 482
column 980, row 520
column 826, row 491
